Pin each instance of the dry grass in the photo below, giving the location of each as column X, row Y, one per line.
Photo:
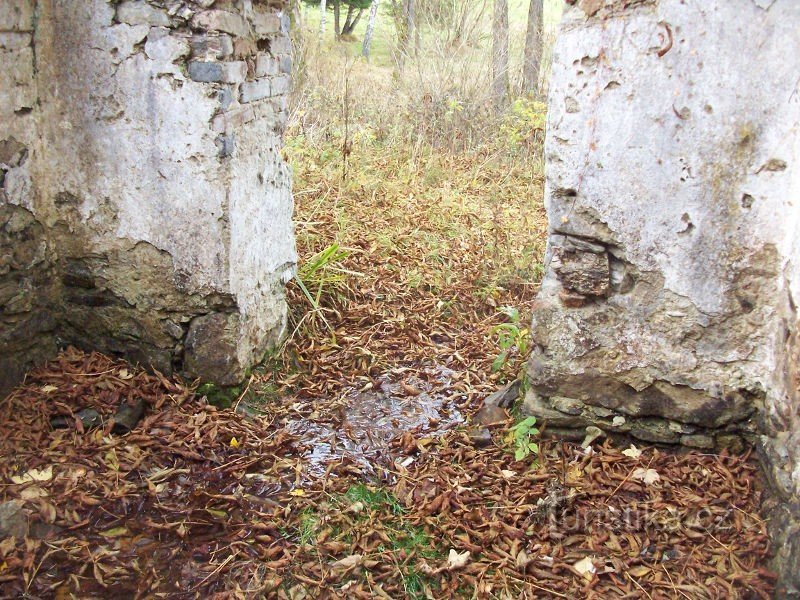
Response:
column 439, row 233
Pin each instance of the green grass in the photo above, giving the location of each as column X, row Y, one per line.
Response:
column 309, row 523
column 372, row 499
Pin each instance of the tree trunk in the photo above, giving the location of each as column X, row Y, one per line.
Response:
column 352, row 21
column 500, row 54
column 336, row 20
column 411, row 24
column 322, row 14
column 348, row 19
column 356, row 20
column 533, row 48
column 373, row 15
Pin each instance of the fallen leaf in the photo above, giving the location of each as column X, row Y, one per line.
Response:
column 297, row 492
column 234, row 442
column 648, row 476
column 115, row 532
column 585, row 567
column 348, row 562
column 632, row 452
column 49, row 388
column 507, row 474
column 45, row 474
column 34, row 491
column 456, row 560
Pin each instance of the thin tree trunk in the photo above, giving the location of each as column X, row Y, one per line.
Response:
column 411, row 24
column 354, row 24
column 348, row 19
column 336, row 20
column 323, row 10
column 373, row 15
column 533, row 48
column 500, row 54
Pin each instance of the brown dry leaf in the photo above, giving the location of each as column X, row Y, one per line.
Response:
column 348, row 562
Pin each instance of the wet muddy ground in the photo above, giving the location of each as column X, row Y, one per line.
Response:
column 361, row 426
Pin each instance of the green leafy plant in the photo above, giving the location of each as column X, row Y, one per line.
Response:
column 511, row 337
column 323, row 273
column 521, row 435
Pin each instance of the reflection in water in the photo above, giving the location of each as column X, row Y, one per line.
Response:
column 369, row 421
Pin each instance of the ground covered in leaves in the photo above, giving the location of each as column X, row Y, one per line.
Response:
column 201, row 502
column 346, row 467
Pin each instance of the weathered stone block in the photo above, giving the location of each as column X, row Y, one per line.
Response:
column 280, row 45
column 153, row 226
column 139, row 12
column 233, row 119
column 286, row 64
column 13, row 520
column 584, row 273
column 16, row 15
column 280, row 85
column 211, row 349
column 250, row 91
column 266, row 65
column 221, row 20
column 164, row 47
column 14, row 40
column 212, row 46
column 217, row 72
column 266, row 23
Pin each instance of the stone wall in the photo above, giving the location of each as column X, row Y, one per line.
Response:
column 154, row 178
column 668, row 311
column 27, row 259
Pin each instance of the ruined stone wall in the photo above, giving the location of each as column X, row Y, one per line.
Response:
column 668, row 310
column 158, row 179
column 27, row 259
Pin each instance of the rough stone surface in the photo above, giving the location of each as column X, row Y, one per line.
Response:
column 126, row 213
column 668, row 311
column 13, row 520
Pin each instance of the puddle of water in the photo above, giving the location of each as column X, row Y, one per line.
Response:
column 368, row 421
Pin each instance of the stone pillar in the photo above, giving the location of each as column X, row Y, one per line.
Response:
column 158, row 178
column 668, row 311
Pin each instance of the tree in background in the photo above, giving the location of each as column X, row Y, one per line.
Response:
column 355, row 8
column 405, row 21
column 373, row 15
column 322, row 15
column 533, row 48
column 500, row 54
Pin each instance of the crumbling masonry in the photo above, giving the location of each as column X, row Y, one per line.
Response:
column 145, row 209
column 669, row 308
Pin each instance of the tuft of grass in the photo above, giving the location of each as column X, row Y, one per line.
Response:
column 221, row 397
column 373, row 499
column 307, row 529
